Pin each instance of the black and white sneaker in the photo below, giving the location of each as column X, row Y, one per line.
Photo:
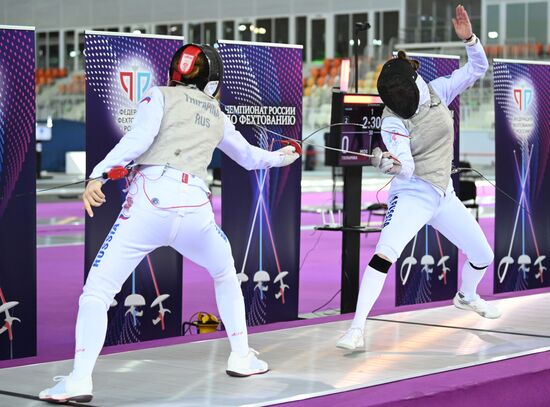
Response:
column 478, row 305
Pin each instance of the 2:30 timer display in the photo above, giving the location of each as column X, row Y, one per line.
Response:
column 365, row 122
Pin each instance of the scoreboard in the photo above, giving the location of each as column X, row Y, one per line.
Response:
column 356, row 120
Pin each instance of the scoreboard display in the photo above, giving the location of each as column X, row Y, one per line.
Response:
column 356, row 120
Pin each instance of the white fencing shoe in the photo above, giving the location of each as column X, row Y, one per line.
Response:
column 478, row 304
column 68, row 389
column 352, row 339
column 243, row 366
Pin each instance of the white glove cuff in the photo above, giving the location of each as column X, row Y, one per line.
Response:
column 471, row 41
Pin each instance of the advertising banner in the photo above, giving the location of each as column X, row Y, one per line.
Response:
column 262, row 95
column 120, row 69
column 17, row 193
column 522, row 137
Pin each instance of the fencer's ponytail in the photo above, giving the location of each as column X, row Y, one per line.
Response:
column 403, row 55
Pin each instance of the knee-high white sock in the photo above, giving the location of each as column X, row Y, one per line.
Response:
column 470, row 280
column 91, row 328
column 230, row 302
column 371, row 287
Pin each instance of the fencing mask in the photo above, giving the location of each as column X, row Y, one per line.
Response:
column 397, row 85
column 199, row 65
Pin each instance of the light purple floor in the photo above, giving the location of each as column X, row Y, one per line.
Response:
column 513, row 382
column 60, row 277
column 60, row 274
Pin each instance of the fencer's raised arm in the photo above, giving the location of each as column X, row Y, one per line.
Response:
column 251, row 157
column 449, row 87
column 395, row 137
column 145, row 128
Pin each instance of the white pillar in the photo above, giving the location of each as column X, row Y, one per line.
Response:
column 329, row 36
column 61, row 49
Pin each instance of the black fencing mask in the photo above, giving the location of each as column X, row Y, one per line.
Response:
column 397, row 87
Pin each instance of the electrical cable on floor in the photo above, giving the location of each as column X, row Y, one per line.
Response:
column 312, row 249
column 326, row 303
column 303, row 262
column 189, row 324
column 198, row 324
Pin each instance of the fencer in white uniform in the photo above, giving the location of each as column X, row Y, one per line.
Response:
column 417, row 129
column 175, row 131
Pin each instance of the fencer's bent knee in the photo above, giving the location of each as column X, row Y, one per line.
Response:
column 228, row 275
column 95, row 290
column 228, row 279
column 380, row 263
column 483, row 258
column 388, row 252
column 220, row 273
column 87, row 297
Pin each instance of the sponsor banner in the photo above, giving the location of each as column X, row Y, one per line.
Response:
column 120, row 69
column 17, row 193
column 522, row 154
column 427, row 268
column 262, row 95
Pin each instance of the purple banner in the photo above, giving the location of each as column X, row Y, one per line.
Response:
column 262, row 94
column 119, row 71
column 522, row 129
column 17, row 194
column 427, row 269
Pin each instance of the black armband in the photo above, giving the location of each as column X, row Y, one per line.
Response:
column 380, row 264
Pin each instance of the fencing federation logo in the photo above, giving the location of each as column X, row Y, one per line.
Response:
column 135, row 83
column 523, row 97
column 524, row 100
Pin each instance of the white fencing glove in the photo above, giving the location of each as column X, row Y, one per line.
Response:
column 385, row 162
column 288, row 156
column 377, row 153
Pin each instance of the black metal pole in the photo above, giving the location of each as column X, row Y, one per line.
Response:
column 351, row 244
column 359, row 27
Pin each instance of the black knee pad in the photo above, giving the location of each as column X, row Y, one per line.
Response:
column 380, row 264
column 477, row 267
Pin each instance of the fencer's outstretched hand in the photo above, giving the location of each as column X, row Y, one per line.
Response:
column 385, row 162
column 463, row 27
column 288, row 156
column 93, row 196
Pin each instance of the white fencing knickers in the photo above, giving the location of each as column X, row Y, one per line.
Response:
column 418, row 203
column 144, row 224
column 410, row 207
